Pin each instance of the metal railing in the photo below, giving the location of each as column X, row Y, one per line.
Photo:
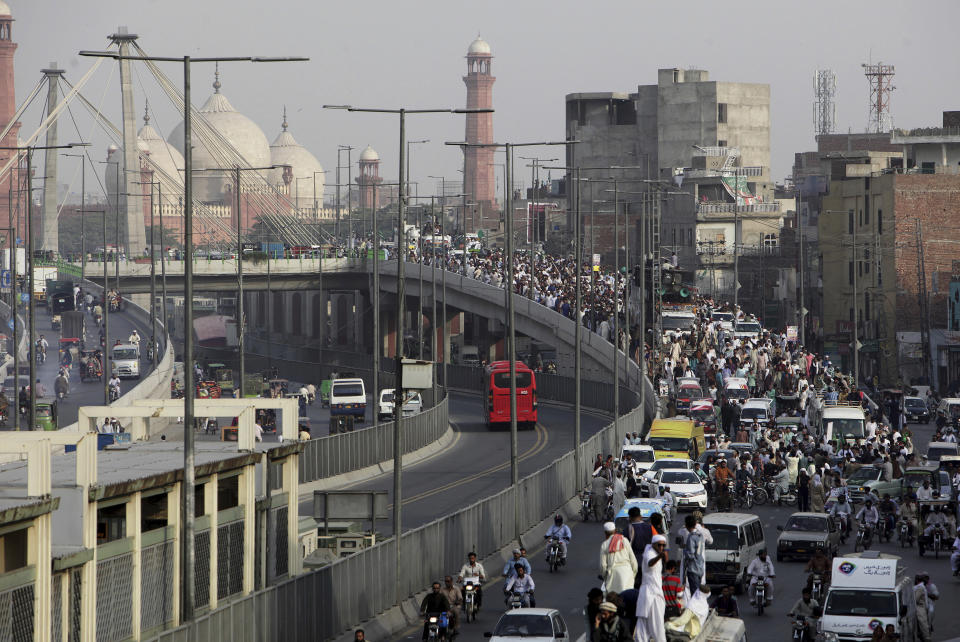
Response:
column 327, row 602
column 346, row 452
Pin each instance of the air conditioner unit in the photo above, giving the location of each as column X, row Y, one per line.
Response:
column 350, row 544
column 307, row 542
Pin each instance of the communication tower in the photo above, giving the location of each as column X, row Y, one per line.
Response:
column 880, row 77
column 824, row 107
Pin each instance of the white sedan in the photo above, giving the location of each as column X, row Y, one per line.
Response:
column 646, row 482
column 413, row 405
column 533, row 625
column 684, row 485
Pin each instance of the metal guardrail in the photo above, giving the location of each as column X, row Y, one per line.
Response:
column 323, row 604
column 338, row 454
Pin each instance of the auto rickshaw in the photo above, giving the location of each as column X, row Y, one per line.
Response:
column 55, row 322
column 940, row 540
column 951, row 464
column 69, row 351
column 208, row 390
column 325, row 386
column 91, row 365
column 46, row 414
column 254, row 386
column 223, row 375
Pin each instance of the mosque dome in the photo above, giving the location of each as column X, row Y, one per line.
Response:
column 369, row 155
column 164, row 157
column 285, row 150
column 4, row 9
column 479, row 47
column 239, row 131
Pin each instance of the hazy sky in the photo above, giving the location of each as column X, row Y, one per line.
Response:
column 390, row 54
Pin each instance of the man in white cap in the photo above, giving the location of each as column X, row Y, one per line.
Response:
column 650, row 601
column 618, row 564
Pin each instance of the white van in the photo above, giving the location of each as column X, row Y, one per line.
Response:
column 348, row 397
column 736, row 388
column 868, row 590
column 737, row 538
column 125, row 360
column 677, row 322
column 759, row 409
column 842, row 420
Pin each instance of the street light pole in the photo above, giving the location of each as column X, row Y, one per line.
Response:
column 188, row 556
column 398, row 395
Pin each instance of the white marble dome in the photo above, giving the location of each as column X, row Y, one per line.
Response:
column 285, row 150
column 164, row 157
column 369, row 154
column 243, row 135
column 4, row 9
column 479, row 47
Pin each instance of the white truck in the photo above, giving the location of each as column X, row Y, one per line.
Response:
column 839, row 420
column 868, row 590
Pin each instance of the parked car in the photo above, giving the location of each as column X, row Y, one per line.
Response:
column 385, row 407
column 805, row 533
column 533, row 625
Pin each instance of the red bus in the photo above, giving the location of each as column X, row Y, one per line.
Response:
column 496, row 383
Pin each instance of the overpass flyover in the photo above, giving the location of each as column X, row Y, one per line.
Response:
column 293, row 286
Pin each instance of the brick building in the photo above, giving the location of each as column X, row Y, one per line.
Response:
column 11, row 181
column 884, row 212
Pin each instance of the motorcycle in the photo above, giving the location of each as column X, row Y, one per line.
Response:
column 585, row 505
column 470, row 587
column 789, row 497
column 760, row 594
column 114, row 393
column 863, row 538
column 937, row 542
column 817, row 587
column 437, row 626
column 904, row 534
column 800, row 628
column 609, row 513
column 553, row 554
column 844, row 527
column 517, row 600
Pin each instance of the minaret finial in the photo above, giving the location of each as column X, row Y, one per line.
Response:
column 284, row 125
column 216, row 79
column 146, row 112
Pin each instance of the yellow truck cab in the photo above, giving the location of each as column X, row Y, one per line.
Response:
column 674, row 438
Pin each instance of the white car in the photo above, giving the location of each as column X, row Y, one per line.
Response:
column 413, row 405
column 685, row 486
column 646, row 482
column 642, row 456
column 725, row 319
column 532, row 625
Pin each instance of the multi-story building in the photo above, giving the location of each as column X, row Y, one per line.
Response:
column 881, row 209
column 693, row 139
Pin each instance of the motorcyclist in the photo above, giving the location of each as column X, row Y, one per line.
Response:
column 889, row 511
column 114, row 384
column 562, row 532
column 807, row 607
column 722, row 477
column 434, row 603
column 134, row 338
column 869, row 516
column 935, row 519
column 473, row 570
column 521, row 583
column 762, row 566
column 61, row 386
column 781, row 483
column 510, row 568
column 455, row 597
column 842, row 510
column 818, row 564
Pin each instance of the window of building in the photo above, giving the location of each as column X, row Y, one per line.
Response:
column 111, row 523
column 849, row 221
column 721, row 112
column 153, row 512
column 690, row 237
column 721, row 143
column 866, row 306
column 199, row 507
column 879, row 221
column 15, row 548
column 866, row 261
column 228, row 492
column 850, row 272
column 770, row 240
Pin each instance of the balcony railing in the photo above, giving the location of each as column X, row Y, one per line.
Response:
column 730, row 208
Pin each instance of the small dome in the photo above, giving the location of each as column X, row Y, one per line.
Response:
column 369, row 154
column 285, row 150
column 166, row 160
column 4, row 9
column 479, row 47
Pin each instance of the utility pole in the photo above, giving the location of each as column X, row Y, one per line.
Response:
column 924, row 305
column 856, row 306
column 801, row 261
column 736, row 242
